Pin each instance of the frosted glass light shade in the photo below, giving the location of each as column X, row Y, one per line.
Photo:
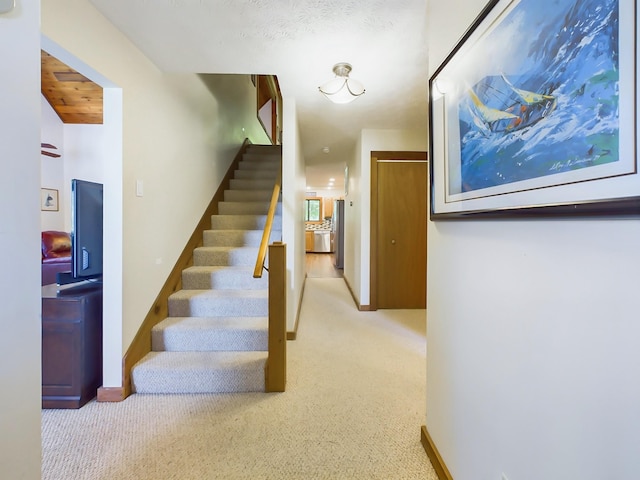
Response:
column 342, row 89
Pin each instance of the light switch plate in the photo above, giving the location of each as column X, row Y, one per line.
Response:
column 7, row 5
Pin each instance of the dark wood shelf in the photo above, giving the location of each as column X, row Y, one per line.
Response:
column 71, row 345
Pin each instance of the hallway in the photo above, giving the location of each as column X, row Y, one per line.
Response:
column 321, row 265
column 353, row 408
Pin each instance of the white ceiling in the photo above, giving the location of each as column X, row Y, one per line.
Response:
column 299, row 41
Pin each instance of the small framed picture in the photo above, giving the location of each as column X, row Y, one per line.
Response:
column 49, row 199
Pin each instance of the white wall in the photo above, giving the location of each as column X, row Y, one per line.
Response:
column 20, row 344
column 82, row 151
column 180, row 133
column 358, row 202
column 532, row 334
column 86, row 153
column 52, row 169
column 293, row 181
column 328, row 193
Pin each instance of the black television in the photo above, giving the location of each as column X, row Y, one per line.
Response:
column 86, row 232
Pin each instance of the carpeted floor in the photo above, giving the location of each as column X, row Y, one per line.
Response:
column 353, row 408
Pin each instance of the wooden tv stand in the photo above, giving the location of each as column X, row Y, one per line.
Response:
column 71, row 344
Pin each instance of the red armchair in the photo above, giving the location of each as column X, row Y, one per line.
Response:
column 56, row 255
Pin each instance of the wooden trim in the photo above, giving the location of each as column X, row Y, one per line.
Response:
column 268, row 88
column 276, row 367
column 373, row 232
column 434, row 456
column 293, row 335
column 141, row 344
column 362, row 308
column 110, row 394
column 353, row 295
column 373, row 236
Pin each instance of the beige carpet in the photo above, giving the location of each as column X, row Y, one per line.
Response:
column 353, row 408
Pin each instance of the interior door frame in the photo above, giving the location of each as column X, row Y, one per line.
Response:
column 400, row 156
column 268, row 90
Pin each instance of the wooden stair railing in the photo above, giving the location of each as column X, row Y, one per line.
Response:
column 276, row 367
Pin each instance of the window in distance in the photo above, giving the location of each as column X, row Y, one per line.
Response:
column 312, row 209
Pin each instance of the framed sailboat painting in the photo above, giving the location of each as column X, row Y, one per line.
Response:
column 534, row 112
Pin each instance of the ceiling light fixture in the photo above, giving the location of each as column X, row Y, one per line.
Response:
column 342, row 89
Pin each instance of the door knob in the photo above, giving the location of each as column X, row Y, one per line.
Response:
column 393, row 242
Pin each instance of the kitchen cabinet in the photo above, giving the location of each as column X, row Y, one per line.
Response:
column 308, row 241
column 327, row 207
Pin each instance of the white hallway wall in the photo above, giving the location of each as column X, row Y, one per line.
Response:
column 293, row 181
column 81, row 156
column 20, row 345
column 52, row 169
column 532, row 335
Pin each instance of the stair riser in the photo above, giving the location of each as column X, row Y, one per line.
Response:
column 237, row 257
column 242, row 184
column 226, row 279
column 205, row 380
column 221, row 306
column 255, row 175
column 262, row 156
column 248, row 195
column 246, row 208
column 243, row 222
column 267, row 166
column 199, row 372
column 237, row 238
column 208, row 341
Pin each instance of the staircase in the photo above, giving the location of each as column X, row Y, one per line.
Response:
column 215, row 337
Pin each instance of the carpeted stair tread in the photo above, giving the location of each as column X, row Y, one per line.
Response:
column 246, row 208
column 262, row 157
column 236, row 238
column 251, row 184
column 213, row 303
column 225, row 256
column 250, row 163
column 248, row 195
column 243, row 222
column 211, row 334
column 199, row 372
column 255, row 174
column 202, row 277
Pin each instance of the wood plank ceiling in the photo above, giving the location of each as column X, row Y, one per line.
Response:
column 74, row 97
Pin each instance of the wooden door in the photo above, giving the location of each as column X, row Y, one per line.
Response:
column 399, row 231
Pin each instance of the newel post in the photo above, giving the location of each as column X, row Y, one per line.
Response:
column 276, row 369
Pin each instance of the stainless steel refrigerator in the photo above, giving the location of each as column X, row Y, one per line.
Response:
column 337, row 229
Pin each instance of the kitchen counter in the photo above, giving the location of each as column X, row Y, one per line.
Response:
column 318, row 241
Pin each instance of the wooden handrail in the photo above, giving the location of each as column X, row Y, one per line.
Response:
column 266, row 234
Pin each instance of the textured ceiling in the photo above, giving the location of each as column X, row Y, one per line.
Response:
column 299, row 41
